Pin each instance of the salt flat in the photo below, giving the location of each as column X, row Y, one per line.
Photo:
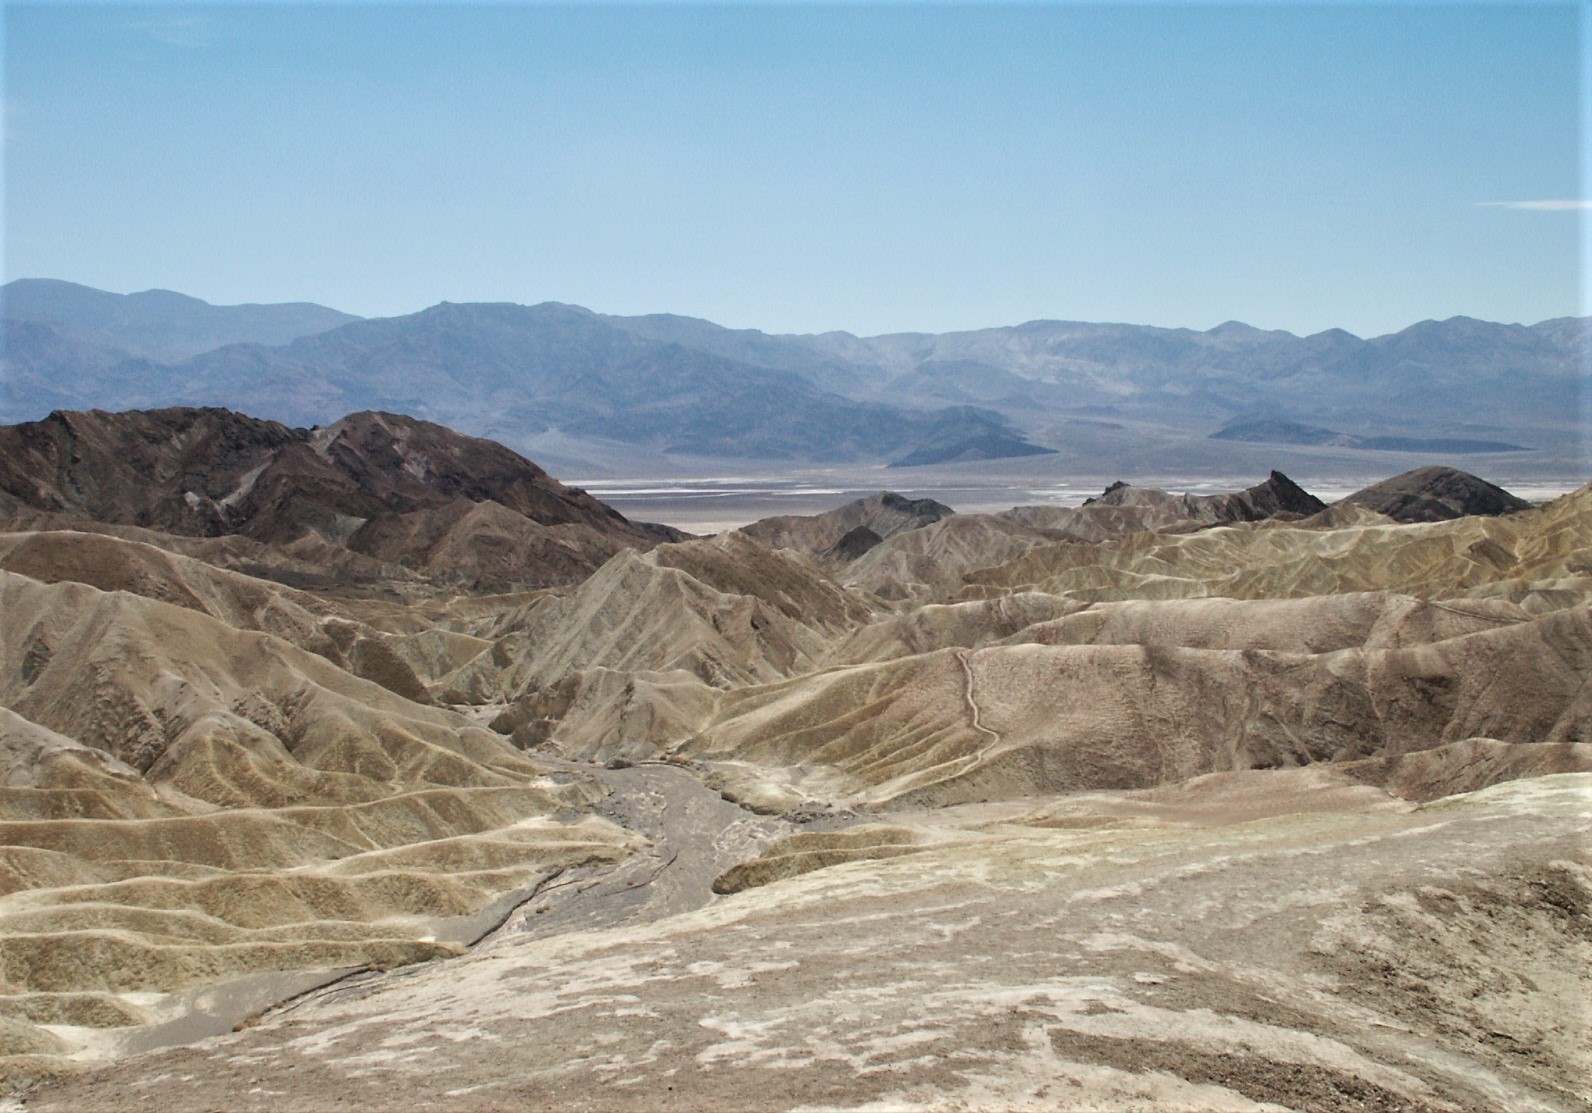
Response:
column 703, row 502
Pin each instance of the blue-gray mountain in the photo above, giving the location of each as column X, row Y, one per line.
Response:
column 510, row 370
column 687, row 386
column 158, row 324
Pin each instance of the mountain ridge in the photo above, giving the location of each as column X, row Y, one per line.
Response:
column 161, row 324
column 673, row 385
column 384, row 486
column 545, row 367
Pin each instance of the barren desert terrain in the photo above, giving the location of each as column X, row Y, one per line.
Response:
column 368, row 765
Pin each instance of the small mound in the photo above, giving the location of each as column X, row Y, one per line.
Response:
column 18, row 1037
column 1467, row 766
column 1436, row 494
column 810, row 851
column 83, row 1010
column 882, row 515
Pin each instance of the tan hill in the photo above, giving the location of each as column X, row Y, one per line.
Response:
column 311, row 563
column 330, row 629
column 880, row 516
column 925, row 563
column 1118, row 779
column 490, row 547
column 1311, row 624
column 184, row 801
column 909, row 723
column 726, row 610
column 941, row 626
column 1123, row 509
column 932, row 565
column 1034, row 717
column 154, row 684
column 1276, row 496
column 1538, row 557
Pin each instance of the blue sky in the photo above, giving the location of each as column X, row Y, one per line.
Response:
column 803, row 168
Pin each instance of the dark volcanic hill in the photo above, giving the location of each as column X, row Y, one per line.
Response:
column 1436, row 494
column 380, row 484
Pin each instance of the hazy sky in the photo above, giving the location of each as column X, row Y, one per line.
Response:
column 802, row 168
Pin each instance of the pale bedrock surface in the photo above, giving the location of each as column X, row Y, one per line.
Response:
column 1367, row 956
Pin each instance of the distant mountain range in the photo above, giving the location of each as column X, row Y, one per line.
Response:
column 688, row 387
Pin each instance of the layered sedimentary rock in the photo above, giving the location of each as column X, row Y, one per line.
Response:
column 184, row 801
column 1278, row 941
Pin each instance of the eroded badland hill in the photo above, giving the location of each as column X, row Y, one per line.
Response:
column 369, row 765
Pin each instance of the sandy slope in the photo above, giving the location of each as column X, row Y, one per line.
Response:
column 184, row 801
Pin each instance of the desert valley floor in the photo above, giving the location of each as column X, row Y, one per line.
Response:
column 367, row 766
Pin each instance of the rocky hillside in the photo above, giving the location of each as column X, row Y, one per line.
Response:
column 847, row 532
column 391, row 488
column 1435, row 494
